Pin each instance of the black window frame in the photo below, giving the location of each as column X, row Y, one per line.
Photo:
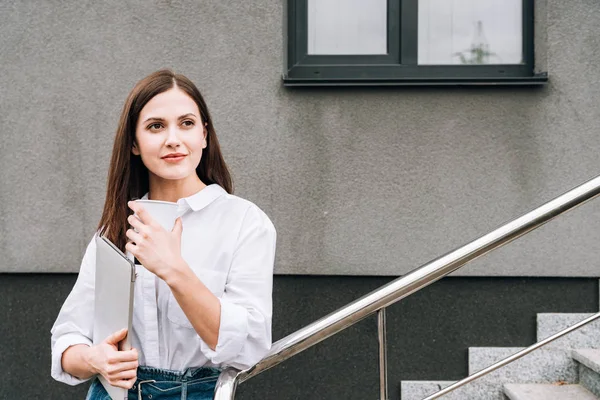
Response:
column 400, row 65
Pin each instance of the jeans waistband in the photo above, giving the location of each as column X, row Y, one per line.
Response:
column 159, row 374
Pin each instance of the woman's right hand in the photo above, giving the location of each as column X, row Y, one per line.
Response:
column 119, row 368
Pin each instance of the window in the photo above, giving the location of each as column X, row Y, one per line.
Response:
column 410, row 42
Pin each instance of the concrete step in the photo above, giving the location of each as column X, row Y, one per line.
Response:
column 545, row 365
column 515, row 391
column 534, row 376
column 587, row 337
column 589, row 369
column 541, row 366
column 588, row 357
column 418, row 390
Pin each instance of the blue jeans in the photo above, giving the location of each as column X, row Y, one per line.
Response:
column 162, row 384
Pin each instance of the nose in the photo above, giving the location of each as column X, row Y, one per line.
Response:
column 173, row 138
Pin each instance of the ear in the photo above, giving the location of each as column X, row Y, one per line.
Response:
column 135, row 149
column 205, row 133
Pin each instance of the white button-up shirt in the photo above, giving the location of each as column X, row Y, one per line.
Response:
column 230, row 244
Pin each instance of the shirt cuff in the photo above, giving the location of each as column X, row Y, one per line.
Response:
column 233, row 331
column 63, row 343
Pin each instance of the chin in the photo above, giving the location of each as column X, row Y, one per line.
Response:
column 173, row 175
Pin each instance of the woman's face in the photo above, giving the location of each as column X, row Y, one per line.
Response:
column 170, row 123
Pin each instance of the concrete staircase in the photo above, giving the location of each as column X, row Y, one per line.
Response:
column 566, row 369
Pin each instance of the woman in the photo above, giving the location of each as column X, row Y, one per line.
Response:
column 203, row 290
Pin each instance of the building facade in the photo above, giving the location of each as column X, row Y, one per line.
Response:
column 364, row 183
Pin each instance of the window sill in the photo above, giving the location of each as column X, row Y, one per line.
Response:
column 536, row 80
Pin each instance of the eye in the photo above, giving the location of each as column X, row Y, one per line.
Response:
column 154, row 126
column 188, row 122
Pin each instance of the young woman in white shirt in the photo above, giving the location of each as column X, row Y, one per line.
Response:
column 203, row 290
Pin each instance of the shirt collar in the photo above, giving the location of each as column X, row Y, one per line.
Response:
column 202, row 198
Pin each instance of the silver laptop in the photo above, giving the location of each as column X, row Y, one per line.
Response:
column 115, row 277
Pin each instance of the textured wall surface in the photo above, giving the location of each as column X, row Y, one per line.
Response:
column 357, row 181
column 428, row 333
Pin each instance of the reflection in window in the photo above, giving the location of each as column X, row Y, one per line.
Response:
column 347, row 26
column 470, row 32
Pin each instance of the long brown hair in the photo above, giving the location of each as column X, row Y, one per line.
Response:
column 128, row 176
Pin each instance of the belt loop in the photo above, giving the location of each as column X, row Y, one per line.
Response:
column 184, row 382
column 187, row 374
column 184, row 390
column 140, row 387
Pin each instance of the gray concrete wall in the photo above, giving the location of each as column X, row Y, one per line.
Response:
column 357, row 181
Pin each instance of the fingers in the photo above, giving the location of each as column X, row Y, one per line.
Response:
column 141, row 213
column 121, row 370
column 178, row 227
column 124, row 375
column 132, row 248
column 119, row 367
column 135, row 223
column 115, row 373
column 116, row 337
column 123, row 356
column 125, row 384
column 134, row 236
column 128, row 384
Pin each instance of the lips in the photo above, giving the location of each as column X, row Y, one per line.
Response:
column 174, row 156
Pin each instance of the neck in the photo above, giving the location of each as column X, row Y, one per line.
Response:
column 173, row 190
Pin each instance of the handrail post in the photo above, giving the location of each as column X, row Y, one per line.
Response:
column 226, row 384
column 381, row 333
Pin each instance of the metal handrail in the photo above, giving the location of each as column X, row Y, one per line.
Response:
column 405, row 286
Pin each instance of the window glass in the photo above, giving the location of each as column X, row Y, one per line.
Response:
column 347, row 27
column 470, row 32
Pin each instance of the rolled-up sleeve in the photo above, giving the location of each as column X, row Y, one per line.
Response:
column 75, row 321
column 246, row 305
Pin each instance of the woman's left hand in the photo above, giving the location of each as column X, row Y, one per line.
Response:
column 156, row 248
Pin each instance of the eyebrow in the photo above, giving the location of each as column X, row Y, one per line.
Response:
column 163, row 120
